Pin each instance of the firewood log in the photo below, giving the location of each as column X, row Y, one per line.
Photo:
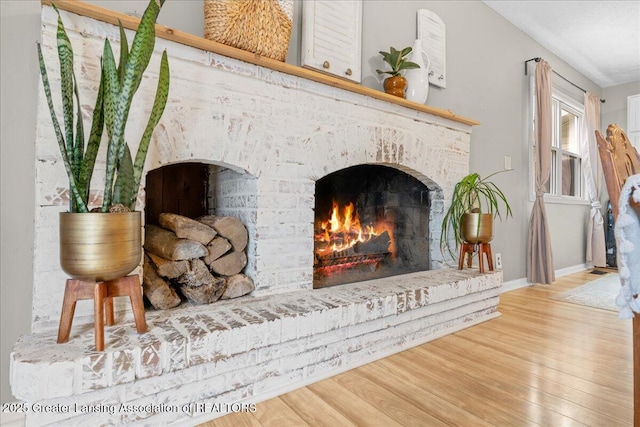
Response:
column 377, row 244
column 167, row 268
column 238, row 286
column 230, row 264
column 218, row 247
column 230, row 228
column 165, row 244
column 187, row 228
column 199, row 286
column 156, row 289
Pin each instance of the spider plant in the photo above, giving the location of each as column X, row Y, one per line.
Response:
column 471, row 194
column 118, row 85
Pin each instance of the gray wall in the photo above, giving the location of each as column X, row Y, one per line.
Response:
column 615, row 109
column 485, row 56
column 486, row 82
column 19, row 30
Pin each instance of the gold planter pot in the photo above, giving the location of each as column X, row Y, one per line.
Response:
column 100, row 246
column 477, row 228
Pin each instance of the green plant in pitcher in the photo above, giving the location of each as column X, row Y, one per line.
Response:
column 397, row 60
column 118, row 85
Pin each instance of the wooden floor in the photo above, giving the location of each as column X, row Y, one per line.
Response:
column 542, row 363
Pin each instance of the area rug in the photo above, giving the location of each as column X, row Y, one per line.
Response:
column 600, row 293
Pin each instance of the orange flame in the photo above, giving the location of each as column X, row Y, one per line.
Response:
column 343, row 230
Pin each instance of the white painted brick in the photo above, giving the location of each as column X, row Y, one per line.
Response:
column 321, row 340
column 305, row 325
column 272, row 365
column 149, row 360
column 374, row 308
column 221, row 402
column 77, row 405
column 283, row 216
column 93, row 372
column 390, row 305
column 278, row 351
column 320, row 369
column 302, row 277
column 26, row 381
column 365, row 328
column 154, row 385
column 276, row 231
column 229, row 364
column 333, row 319
column 277, row 382
column 123, row 365
column 289, row 329
column 262, row 335
column 300, row 360
column 128, row 413
column 359, row 313
column 226, row 112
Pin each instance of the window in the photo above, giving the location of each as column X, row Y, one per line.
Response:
column 566, row 182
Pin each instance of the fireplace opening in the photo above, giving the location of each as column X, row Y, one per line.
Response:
column 370, row 222
column 209, row 192
column 180, row 189
column 195, row 189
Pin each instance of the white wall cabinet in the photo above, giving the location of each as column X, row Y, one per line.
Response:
column 332, row 37
column 633, row 120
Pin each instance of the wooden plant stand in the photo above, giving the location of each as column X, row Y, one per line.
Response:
column 102, row 293
column 468, row 249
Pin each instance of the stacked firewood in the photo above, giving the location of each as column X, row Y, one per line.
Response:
column 202, row 260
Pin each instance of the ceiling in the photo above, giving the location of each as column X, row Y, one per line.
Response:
column 600, row 39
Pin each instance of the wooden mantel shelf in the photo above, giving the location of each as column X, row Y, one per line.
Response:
column 130, row 22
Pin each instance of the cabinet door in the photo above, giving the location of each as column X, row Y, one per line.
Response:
column 331, row 37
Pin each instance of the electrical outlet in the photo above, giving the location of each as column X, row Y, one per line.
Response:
column 499, row 261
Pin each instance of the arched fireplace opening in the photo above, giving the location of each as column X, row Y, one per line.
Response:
column 196, row 189
column 371, row 221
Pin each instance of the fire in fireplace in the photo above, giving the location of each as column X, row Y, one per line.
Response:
column 343, row 240
column 371, row 221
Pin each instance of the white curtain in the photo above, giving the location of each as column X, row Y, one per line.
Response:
column 596, row 249
column 539, row 255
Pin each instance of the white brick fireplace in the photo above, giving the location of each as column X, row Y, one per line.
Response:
column 276, row 134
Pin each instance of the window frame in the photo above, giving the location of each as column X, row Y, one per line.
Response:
column 560, row 100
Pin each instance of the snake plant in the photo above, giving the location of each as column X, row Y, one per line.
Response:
column 118, row 85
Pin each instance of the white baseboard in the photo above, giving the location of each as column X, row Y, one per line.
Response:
column 574, row 269
column 512, row 285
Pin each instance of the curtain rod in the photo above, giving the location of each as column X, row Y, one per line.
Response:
column 538, row 59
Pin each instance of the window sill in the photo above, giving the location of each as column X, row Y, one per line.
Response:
column 566, row 200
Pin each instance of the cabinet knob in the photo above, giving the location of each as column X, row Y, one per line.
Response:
column 348, row 72
column 326, row 64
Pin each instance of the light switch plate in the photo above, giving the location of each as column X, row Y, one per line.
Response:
column 507, row 163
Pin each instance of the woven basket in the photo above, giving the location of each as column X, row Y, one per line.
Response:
column 258, row 26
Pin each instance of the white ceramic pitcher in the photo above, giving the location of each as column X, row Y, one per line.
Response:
column 418, row 78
